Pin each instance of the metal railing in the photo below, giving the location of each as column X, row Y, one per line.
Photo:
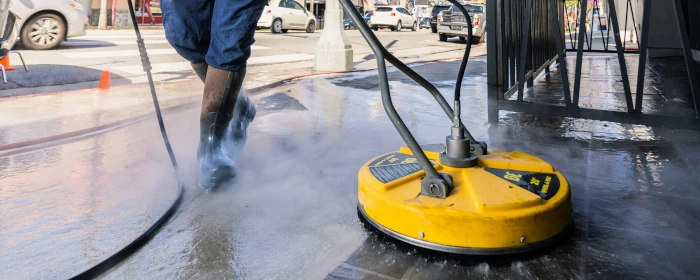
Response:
column 529, row 38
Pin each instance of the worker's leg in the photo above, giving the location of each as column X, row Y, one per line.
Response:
column 225, row 113
column 187, row 26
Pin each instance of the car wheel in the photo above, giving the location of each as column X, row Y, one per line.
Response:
column 311, row 27
column 375, row 28
column 476, row 40
column 443, row 37
column 415, row 26
column 434, row 29
column 398, row 26
column 276, row 26
column 462, row 38
column 43, row 32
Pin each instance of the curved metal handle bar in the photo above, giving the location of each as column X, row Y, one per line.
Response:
column 381, row 53
column 422, row 81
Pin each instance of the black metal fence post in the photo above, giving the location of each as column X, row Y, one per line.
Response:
column 579, row 53
column 689, row 63
column 642, row 55
column 524, row 42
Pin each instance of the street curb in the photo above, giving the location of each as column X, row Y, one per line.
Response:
column 48, row 141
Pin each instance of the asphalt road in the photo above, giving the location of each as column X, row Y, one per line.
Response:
column 78, row 63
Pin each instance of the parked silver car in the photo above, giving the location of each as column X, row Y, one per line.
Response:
column 46, row 23
column 452, row 23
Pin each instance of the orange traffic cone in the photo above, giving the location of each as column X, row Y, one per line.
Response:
column 105, row 80
column 6, row 63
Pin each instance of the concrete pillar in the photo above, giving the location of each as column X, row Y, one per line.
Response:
column 333, row 50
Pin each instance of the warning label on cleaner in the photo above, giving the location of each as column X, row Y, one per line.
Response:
column 545, row 185
column 393, row 166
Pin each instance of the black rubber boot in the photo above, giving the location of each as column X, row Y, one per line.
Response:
column 243, row 114
column 201, row 70
column 221, row 92
column 215, row 166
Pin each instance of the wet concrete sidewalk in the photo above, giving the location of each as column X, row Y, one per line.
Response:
column 291, row 214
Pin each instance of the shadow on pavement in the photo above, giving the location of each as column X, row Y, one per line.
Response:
column 54, row 74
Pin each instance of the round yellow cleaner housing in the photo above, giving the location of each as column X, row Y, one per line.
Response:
column 511, row 202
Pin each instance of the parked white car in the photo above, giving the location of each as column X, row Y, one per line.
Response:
column 281, row 16
column 393, row 17
column 46, row 23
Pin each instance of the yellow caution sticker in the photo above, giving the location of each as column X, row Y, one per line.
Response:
column 546, row 185
column 393, row 166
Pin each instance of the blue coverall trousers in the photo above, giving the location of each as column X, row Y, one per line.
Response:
column 218, row 32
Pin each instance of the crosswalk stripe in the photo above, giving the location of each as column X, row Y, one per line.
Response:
column 185, row 66
column 119, row 36
column 124, row 53
column 107, row 43
column 128, row 42
column 279, row 58
column 108, row 54
column 157, row 68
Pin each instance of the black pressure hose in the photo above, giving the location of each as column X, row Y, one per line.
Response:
column 124, row 253
column 467, row 51
column 462, row 67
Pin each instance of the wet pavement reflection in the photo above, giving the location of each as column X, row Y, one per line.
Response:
column 292, row 211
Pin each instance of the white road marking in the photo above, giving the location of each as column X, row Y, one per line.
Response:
column 279, row 58
column 185, row 66
column 118, row 36
column 108, row 43
column 157, row 68
column 109, row 54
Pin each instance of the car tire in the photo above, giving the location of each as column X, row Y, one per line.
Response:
column 462, row 38
column 443, row 37
column 311, row 27
column 415, row 26
column 375, row 28
column 476, row 40
column 398, row 27
column 276, row 26
column 434, row 29
column 48, row 37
